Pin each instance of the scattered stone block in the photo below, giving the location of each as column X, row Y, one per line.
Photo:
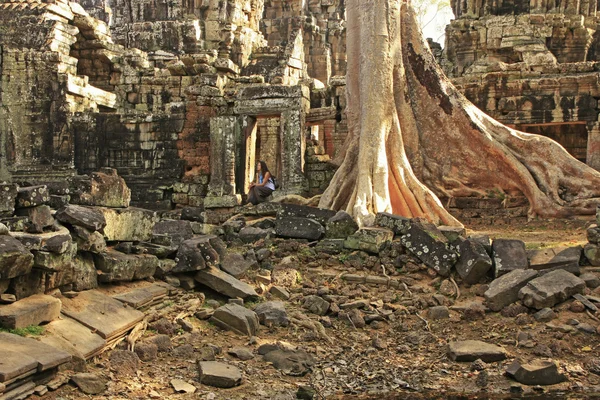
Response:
column 505, row 289
column 508, row 255
column 103, row 188
column 87, row 240
column 8, row 196
column 198, row 253
column 236, row 318
column 177, row 230
column 242, row 353
column 290, row 362
column 316, row 304
column 591, row 280
column 471, row 350
column 15, row 259
column 473, row 263
column 32, row 196
column 218, row 374
column 592, row 253
column 81, row 338
column 57, row 241
column 439, row 312
column 32, row 310
column 566, row 258
column 124, row 362
column 299, row 228
column 85, row 217
column 115, row 266
column 537, row 372
column 55, row 262
column 397, row 224
column 544, row 315
column 89, row 383
column 235, row 264
column 321, row 215
column 128, row 224
column 430, row 246
column 225, row 284
column 340, row 226
column 280, row 292
column 38, row 218
column 452, row 233
column 85, row 275
column 250, row 234
column 372, row 240
column 195, row 214
column 46, row 357
column 182, row 386
column 272, row 313
column 551, row 289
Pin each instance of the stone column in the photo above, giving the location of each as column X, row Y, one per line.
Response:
column 293, row 145
column 224, row 132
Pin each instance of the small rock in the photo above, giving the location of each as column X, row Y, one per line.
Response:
column 7, row 298
column 577, row 307
column 272, row 313
column 478, row 365
column 185, row 351
column 280, row 292
column 206, row 353
column 439, row 312
column 475, row 311
column 591, row 280
column 146, row 351
column 89, row 383
column 124, row 362
column 586, row 328
column 182, row 386
column 242, row 353
column 482, row 379
column 213, row 304
column 185, row 325
column 537, row 372
column 316, row 305
column 239, row 302
column 357, row 319
column 162, row 342
column 544, row 315
column 550, row 289
column 471, row 350
column 218, row 374
column 305, row 393
column 237, row 319
column 164, row 327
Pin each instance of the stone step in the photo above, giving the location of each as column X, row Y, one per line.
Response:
column 86, row 342
column 30, row 311
column 45, row 356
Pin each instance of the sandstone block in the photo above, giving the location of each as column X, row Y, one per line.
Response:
column 474, row 262
column 218, row 374
column 299, row 228
column 505, row 290
column 32, row 196
column 430, row 246
column 15, row 259
column 32, row 310
column 225, row 284
column 85, row 217
column 551, row 289
column 508, row 255
column 128, row 224
column 236, row 318
column 104, row 188
column 471, row 350
column 340, row 226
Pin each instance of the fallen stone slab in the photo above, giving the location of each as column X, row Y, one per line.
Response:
column 32, row 196
column 250, row 234
column 115, row 266
column 587, row 303
column 557, row 257
column 474, row 262
column 199, row 252
column 235, row 264
column 32, row 310
column 81, row 337
column 89, row 383
column 505, row 289
column 430, row 246
column 15, row 259
column 107, row 316
column 551, row 289
column 177, row 230
column 508, row 255
column 57, row 241
column 143, row 297
column 38, row 218
column 181, row 386
column 85, row 217
column 225, row 284
column 218, row 374
column 272, row 313
column 290, row 362
column 321, row 215
column 103, row 188
column 47, row 357
column 536, row 372
column 236, row 318
column 372, row 240
column 243, row 353
column 471, row 350
column 15, row 364
column 299, row 228
column 128, row 224
column 396, row 223
column 340, row 226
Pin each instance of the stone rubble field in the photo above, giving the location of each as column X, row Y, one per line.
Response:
column 281, row 301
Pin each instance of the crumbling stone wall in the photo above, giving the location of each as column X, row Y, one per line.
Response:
column 531, row 65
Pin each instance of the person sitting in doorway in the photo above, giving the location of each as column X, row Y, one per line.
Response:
column 262, row 188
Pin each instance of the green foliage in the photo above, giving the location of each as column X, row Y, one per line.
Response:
column 31, row 330
column 495, row 193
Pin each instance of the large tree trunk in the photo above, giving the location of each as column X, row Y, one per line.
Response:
column 413, row 136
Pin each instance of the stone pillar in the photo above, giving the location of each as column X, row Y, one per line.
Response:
column 293, row 145
column 224, row 132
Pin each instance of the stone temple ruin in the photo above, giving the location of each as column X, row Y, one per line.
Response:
column 532, row 65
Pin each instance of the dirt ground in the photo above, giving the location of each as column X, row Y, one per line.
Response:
column 403, row 356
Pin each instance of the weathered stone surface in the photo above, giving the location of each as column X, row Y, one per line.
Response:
column 146, row 351
column 438, row 312
column 592, row 253
column 280, row 292
column 177, row 230
column 181, row 386
column 89, row 383
column 53, row 261
column 428, row 244
column 46, row 357
column 397, row 224
column 57, row 241
column 85, row 217
column 116, row 266
column 372, row 240
column 321, row 215
column 340, row 226
column 566, row 258
column 316, row 305
column 38, row 218
column 32, row 310
column 124, row 362
column 299, row 228
column 591, row 280
column 195, row 214
column 225, row 283
column 250, row 234
column 243, row 353
column 505, row 289
column 235, row 264
column 473, row 263
column 128, row 224
column 15, row 259
column 82, row 339
column 544, row 315
column 290, row 362
column 85, row 275
column 551, row 289
column 218, row 374
column 199, row 252
column 8, row 198
column 508, row 255
column 536, row 372
column 236, row 318
column 32, row 196
column 104, row 188
column 88, row 240
column 471, row 350
column 272, row 313
column 452, row 233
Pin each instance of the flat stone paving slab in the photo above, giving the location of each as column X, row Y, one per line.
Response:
column 30, row 311
column 471, row 350
column 13, row 364
column 107, row 316
column 46, row 356
column 79, row 336
column 141, row 297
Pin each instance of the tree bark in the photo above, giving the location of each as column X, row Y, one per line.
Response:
column 413, row 136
